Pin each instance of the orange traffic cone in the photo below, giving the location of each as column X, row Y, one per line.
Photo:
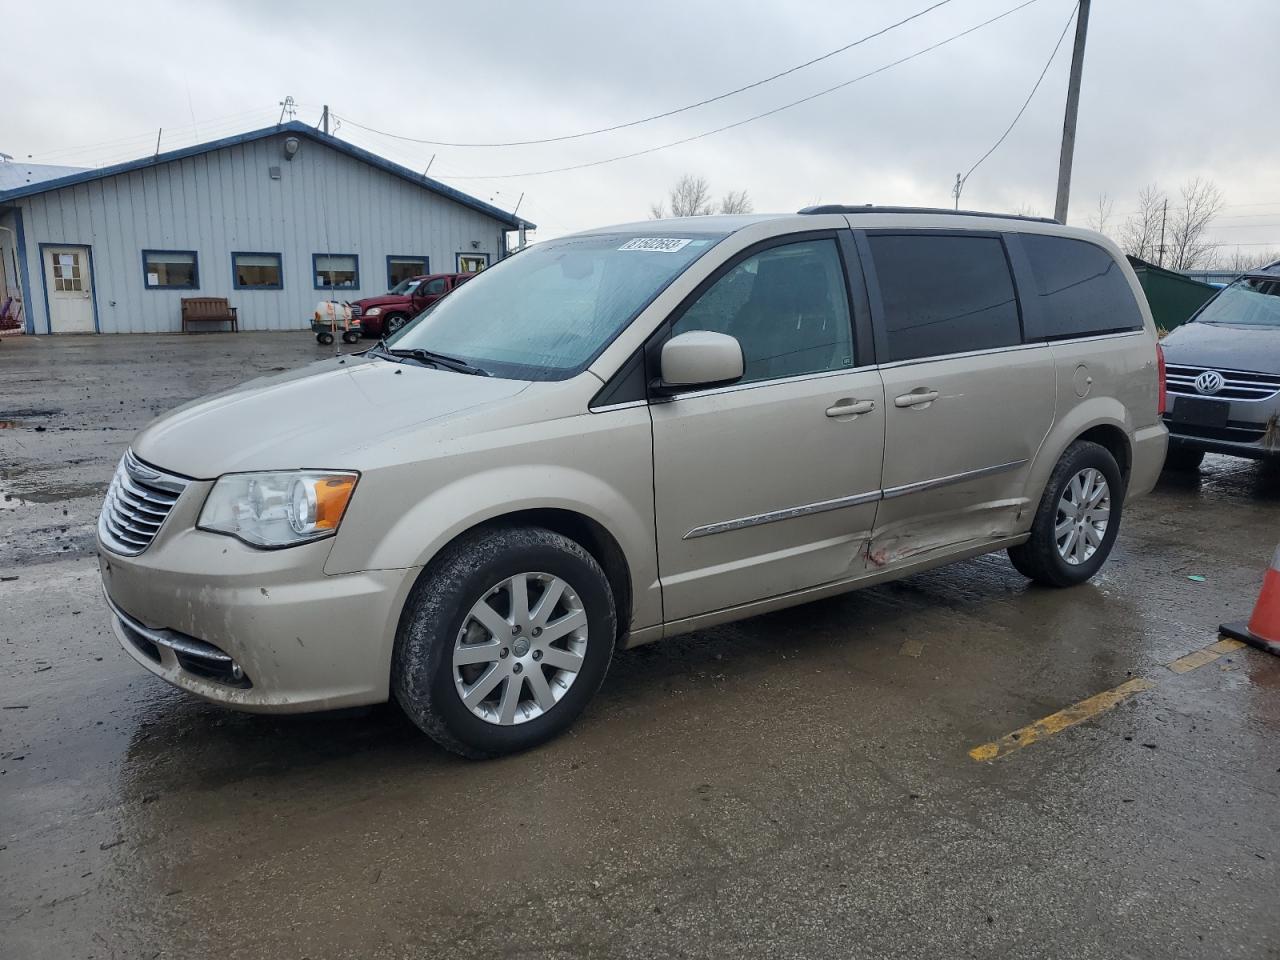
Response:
column 1263, row 629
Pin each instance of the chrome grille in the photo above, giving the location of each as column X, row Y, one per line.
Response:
column 138, row 501
column 356, row 311
column 1237, row 384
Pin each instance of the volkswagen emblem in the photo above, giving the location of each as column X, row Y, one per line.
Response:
column 1209, row 382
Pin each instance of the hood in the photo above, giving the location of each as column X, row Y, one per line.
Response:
column 318, row 416
column 1225, row 346
column 385, row 300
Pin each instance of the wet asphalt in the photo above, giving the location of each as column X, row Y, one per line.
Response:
column 796, row 785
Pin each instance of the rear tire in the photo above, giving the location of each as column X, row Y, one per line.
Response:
column 1183, row 458
column 1077, row 520
column 324, row 339
column 482, row 672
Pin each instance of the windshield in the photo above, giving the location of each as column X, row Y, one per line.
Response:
column 1248, row 301
column 405, row 287
column 547, row 311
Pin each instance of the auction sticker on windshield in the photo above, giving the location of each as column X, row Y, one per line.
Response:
column 655, row 244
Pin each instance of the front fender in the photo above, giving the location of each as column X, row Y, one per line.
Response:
column 600, row 468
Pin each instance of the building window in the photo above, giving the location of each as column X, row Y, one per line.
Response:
column 472, row 262
column 341, row 271
column 170, row 270
column 66, row 273
column 400, row 269
column 257, row 271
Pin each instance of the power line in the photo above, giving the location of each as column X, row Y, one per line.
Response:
column 1025, row 103
column 667, row 113
column 751, row 119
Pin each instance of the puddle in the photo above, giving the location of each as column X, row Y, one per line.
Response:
column 50, row 493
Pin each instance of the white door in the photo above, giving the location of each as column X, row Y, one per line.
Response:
column 70, row 287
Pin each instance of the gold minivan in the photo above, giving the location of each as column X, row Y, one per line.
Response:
column 631, row 433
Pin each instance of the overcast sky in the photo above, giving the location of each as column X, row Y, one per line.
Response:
column 1172, row 89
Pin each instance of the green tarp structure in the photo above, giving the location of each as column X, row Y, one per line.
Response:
column 1173, row 297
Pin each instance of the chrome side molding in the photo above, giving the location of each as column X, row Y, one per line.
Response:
column 822, row 506
column 903, row 489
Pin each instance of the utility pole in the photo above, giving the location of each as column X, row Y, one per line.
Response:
column 1069, row 121
column 1164, row 215
column 324, row 120
column 955, row 191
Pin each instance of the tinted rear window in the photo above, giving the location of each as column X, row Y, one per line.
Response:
column 944, row 294
column 1080, row 290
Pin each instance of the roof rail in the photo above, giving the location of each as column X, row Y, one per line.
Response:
column 871, row 208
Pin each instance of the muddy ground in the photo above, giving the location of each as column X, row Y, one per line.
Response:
column 797, row 785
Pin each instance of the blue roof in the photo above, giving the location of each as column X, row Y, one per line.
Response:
column 295, row 127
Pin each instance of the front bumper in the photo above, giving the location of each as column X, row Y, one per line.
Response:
column 304, row 640
column 1252, row 428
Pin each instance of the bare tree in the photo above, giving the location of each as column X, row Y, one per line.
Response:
column 1026, row 210
column 1140, row 232
column 1100, row 217
column 1187, row 247
column 691, row 197
column 1241, row 260
column 736, row 201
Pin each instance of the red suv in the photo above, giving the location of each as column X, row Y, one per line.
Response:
column 384, row 315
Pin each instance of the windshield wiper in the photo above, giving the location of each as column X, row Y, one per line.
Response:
column 441, row 360
column 381, row 349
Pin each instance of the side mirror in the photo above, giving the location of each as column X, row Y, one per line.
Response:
column 699, row 358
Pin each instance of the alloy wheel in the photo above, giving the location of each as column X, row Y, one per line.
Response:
column 520, row 648
column 1084, row 510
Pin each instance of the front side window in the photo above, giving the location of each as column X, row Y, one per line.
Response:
column 1080, row 289
column 1249, row 301
column 547, row 311
column 403, row 269
column 170, row 270
column 337, row 270
column 786, row 306
column 257, row 271
column 434, row 287
column 943, row 294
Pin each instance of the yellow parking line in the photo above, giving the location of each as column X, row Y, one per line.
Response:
column 1057, row 722
column 1096, row 705
column 1207, row 655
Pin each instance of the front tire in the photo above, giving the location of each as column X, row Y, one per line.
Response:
column 393, row 323
column 1077, row 520
column 503, row 641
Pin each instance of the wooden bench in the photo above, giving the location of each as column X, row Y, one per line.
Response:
column 207, row 309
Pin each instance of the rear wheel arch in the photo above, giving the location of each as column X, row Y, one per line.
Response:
column 1115, row 440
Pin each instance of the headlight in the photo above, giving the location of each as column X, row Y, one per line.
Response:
column 278, row 509
column 372, row 312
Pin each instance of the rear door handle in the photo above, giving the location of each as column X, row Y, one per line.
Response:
column 850, row 408
column 916, row 398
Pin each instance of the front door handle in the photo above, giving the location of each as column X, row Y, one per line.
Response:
column 850, row 408
column 916, row 398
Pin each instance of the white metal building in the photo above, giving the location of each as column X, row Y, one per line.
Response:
column 273, row 220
